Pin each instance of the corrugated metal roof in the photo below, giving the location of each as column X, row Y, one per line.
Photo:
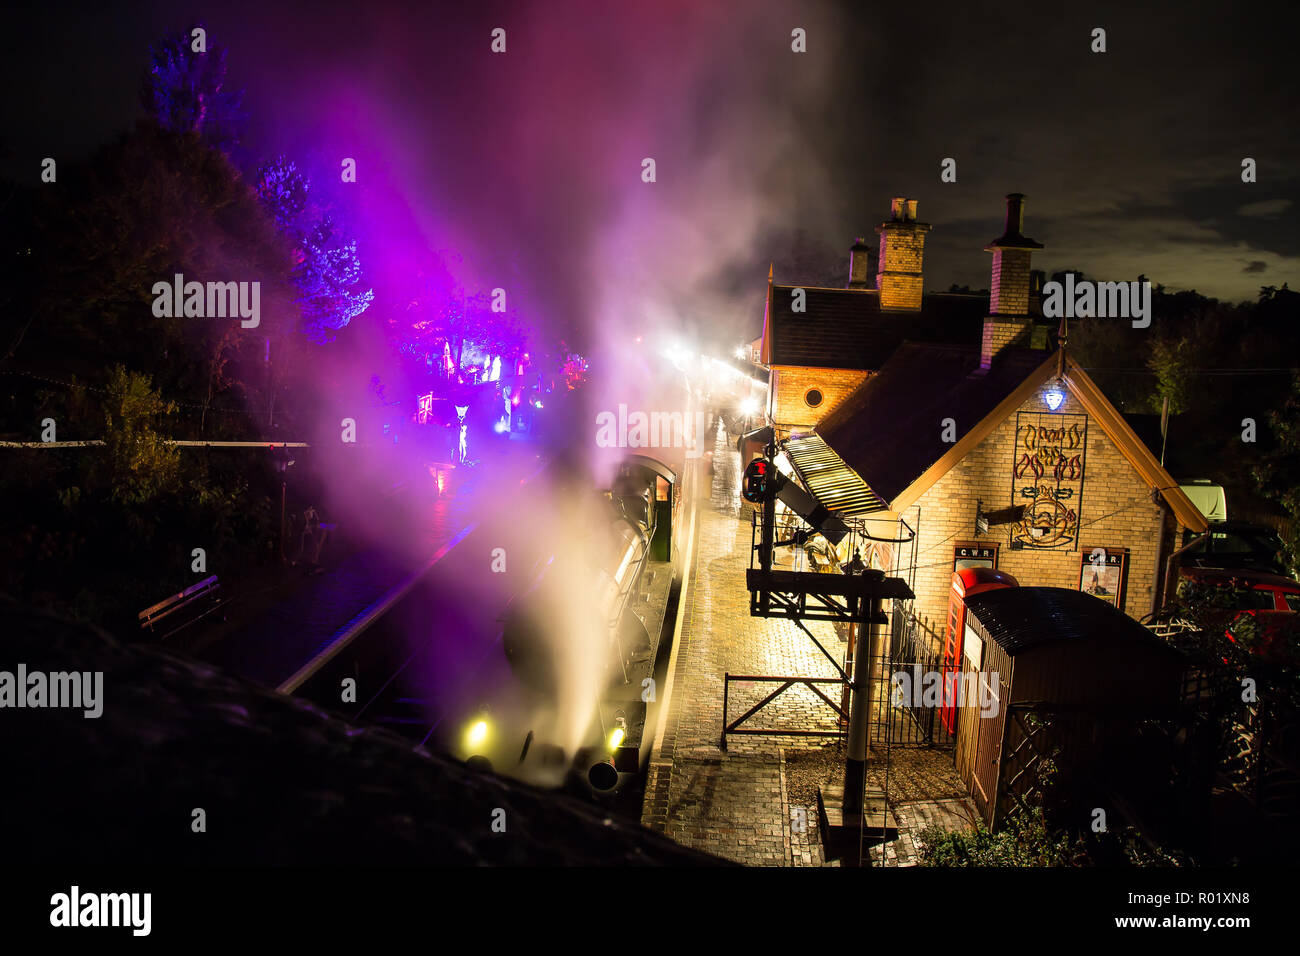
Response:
column 1022, row 618
column 835, row 484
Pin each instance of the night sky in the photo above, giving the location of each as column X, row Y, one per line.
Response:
column 529, row 163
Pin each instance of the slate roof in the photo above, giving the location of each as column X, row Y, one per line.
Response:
column 889, row 430
column 843, row 328
column 1019, row 619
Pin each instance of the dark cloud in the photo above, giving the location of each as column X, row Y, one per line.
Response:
column 530, row 161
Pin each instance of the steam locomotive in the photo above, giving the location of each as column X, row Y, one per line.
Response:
column 582, row 662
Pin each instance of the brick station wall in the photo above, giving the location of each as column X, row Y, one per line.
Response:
column 790, row 384
column 1116, row 512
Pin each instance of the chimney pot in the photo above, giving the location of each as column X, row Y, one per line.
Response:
column 1015, row 214
column 1012, row 283
column 859, row 264
column 896, row 207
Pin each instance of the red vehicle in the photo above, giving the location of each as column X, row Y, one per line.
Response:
column 1270, row 599
column 965, row 582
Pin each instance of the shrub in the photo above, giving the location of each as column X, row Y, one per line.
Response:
column 1023, row 841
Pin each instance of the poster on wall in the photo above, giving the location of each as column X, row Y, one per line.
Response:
column 1047, row 469
column 1101, row 573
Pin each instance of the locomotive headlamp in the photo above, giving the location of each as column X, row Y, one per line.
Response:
column 619, row 734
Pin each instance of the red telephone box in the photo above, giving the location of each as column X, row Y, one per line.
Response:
column 965, row 582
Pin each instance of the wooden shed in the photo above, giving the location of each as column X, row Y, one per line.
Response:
column 1058, row 673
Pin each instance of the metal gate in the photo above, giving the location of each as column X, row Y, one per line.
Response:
column 905, row 677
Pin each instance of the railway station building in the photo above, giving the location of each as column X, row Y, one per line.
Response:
column 932, row 417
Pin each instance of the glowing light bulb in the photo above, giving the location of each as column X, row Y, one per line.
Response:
column 478, row 733
column 616, row 738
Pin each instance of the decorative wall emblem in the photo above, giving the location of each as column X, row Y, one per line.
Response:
column 1047, row 471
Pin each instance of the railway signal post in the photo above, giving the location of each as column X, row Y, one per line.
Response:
column 855, row 598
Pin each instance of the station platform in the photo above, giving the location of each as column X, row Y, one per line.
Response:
column 755, row 802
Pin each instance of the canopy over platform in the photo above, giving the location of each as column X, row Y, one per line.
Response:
column 835, row 484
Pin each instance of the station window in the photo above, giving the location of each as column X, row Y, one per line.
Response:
column 813, row 397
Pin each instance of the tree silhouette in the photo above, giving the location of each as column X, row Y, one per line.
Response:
column 185, row 90
column 1277, row 473
column 154, row 204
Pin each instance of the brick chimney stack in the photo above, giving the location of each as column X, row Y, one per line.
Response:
column 902, row 250
column 1009, row 293
column 1009, row 317
column 859, row 265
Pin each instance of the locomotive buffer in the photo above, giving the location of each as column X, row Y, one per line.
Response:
column 852, row 598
